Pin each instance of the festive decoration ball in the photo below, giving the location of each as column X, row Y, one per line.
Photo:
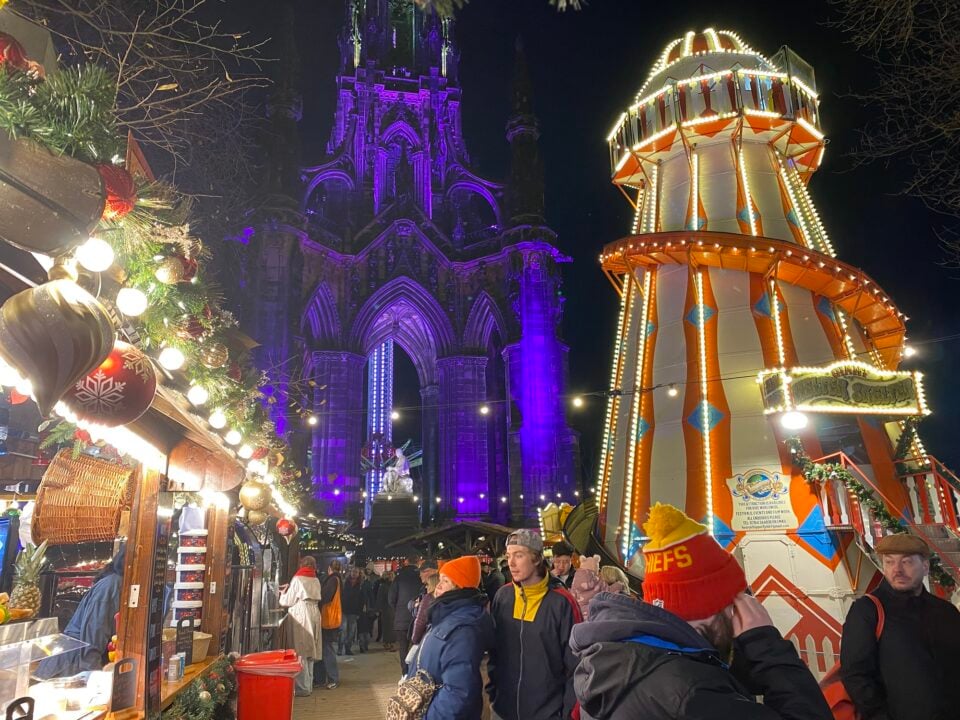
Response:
column 116, row 392
column 190, row 267
column 221, row 687
column 189, row 327
column 285, row 527
column 170, row 270
column 121, row 191
column 12, row 55
column 260, row 453
column 54, row 334
column 254, row 495
column 235, row 372
column 205, row 696
column 215, row 355
column 256, row 517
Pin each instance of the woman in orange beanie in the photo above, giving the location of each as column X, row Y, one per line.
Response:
column 460, row 633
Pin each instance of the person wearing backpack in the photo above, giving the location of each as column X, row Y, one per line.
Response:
column 911, row 671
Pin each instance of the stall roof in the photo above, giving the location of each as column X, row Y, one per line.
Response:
column 453, row 528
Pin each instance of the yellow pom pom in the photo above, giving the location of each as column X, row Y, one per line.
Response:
column 667, row 525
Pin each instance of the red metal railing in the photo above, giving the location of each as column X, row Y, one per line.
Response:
column 934, row 493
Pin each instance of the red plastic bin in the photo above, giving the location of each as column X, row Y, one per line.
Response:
column 266, row 684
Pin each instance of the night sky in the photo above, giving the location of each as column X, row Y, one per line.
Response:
column 586, row 67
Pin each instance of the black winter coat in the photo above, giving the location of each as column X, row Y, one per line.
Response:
column 534, row 655
column 492, row 582
column 913, row 673
column 640, row 661
column 405, row 588
column 351, row 597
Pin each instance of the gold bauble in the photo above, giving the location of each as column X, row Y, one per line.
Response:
column 256, row 517
column 54, row 334
column 215, row 355
column 170, row 271
column 254, row 495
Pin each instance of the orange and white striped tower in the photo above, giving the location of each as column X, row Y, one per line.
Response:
column 730, row 290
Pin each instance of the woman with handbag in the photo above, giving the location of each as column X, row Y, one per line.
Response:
column 443, row 681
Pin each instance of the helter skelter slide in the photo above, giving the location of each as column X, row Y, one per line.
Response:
column 744, row 343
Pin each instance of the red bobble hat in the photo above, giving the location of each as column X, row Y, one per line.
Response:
column 687, row 572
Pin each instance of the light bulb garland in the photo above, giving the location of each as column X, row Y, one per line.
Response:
column 175, row 318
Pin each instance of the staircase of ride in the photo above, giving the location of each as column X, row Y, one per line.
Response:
column 934, row 512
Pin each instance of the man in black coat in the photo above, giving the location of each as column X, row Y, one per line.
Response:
column 912, row 673
column 700, row 649
column 406, row 588
column 491, row 579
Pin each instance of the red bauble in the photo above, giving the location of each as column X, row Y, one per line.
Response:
column 285, row 527
column 121, row 191
column 260, row 453
column 118, row 391
column 235, row 373
column 190, row 328
column 190, row 267
column 13, row 56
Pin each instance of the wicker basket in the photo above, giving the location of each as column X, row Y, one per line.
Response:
column 81, row 499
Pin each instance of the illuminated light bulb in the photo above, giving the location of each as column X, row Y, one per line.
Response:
column 364, row 493
column 245, row 452
column 233, row 437
column 542, row 498
column 131, row 301
column 171, row 358
column 460, row 499
column 503, row 499
column 394, row 415
column 217, row 419
column 484, row 410
column 197, row 394
column 909, row 351
column 578, row 402
column 794, row 420
column 416, row 499
column 95, row 255
column 438, row 500
column 312, row 420
column 673, row 390
column 576, row 493
column 24, row 387
column 389, row 497
column 336, row 491
column 9, row 377
column 483, row 496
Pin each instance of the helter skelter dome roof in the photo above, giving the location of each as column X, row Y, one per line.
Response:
column 716, row 50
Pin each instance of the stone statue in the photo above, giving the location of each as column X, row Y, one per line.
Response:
column 396, row 478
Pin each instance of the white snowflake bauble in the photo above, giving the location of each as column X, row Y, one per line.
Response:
column 118, row 391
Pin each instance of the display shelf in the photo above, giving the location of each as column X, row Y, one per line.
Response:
column 168, row 692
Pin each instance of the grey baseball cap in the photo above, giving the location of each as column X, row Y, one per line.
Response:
column 526, row 538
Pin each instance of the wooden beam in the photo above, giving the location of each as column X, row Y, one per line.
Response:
column 215, row 617
column 138, row 572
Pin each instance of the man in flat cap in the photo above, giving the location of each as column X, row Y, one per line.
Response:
column 913, row 671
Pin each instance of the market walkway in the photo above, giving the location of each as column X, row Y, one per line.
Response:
column 365, row 685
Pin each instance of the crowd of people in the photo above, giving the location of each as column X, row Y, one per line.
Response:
column 567, row 642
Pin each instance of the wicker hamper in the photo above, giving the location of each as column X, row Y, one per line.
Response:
column 80, row 499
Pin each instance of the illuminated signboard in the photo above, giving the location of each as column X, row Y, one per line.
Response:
column 844, row 387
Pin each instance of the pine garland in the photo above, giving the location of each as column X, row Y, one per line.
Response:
column 446, row 8
column 824, row 472
column 205, row 696
column 71, row 112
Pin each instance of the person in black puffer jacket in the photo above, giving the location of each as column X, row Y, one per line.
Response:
column 406, row 587
column 703, row 649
